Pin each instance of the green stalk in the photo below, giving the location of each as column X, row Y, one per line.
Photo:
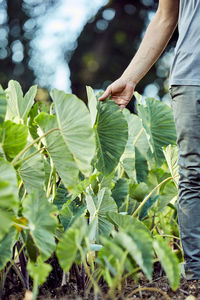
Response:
column 149, row 195
column 138, row 136
column 27, row 157
column 95, row 285
column 35, row 288
column 34, row 142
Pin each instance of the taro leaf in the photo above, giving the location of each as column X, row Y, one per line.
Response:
column 110, row 257
column 3, row 105
column 107, row 181
column 138, row 191
column 137, row 135
column 75, row 127
column 111, row 136
column 124, row 221
column 141, row 166
column 139, row 245
column 171, row 155
column 168, row 194
column 41, row 222
column 13, row 138
column 32, row 171
column 158, row 122
column 59, row 151
column 68, row 217
column 31, row 123
column 144, row 210
column 98, row 208
column 67, row 248
column 8, row 196
column 38, row 271
column 31, row 248
column 169, row 262
column 6, row 247
column 92, row 103
column 19, row 106
column 120, row 191
column 61, row 197
column 137, row 141
column 83, row 184
column 70, row 242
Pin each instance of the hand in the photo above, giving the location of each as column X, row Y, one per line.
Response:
column 121, row 91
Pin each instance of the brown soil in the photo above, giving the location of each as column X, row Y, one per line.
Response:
column 71, row 292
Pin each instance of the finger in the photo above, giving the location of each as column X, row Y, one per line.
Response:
column 106, row 94
column 118, row 101
column 122, row 106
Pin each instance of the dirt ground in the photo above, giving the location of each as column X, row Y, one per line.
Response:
column 69, row 292
column 158, row 288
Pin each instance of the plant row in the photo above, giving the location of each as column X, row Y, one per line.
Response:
column 92, row 184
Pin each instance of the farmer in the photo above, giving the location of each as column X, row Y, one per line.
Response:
column 185, row 92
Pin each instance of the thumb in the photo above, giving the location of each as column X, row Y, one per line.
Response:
column 106, row 94
column 122, row 106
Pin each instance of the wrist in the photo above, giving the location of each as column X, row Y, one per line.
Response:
column 129, row 79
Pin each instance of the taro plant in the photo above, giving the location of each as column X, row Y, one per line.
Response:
column 94, row 185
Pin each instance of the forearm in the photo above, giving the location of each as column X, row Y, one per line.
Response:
column 154, row 42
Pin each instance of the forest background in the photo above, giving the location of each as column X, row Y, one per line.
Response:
column 70, row 44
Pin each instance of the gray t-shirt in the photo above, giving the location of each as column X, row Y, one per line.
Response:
column 185, row 69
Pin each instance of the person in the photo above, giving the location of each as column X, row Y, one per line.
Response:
column 185, row 92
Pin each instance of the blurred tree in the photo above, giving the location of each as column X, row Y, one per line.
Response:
column 108, row 43
column 14, row 44
column 17, row 28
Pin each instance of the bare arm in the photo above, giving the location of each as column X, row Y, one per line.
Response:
column 154, row 42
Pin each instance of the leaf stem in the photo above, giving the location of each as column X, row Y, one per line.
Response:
column 27, row 157
column 138, row 136
column 149, row 195
column 30, row 145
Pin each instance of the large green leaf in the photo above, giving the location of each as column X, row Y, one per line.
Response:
column 67, row 249
column 92, row 103
column 134, row 158
column 3, row 105
column 6, row 247
column 98, row 208
column 136, row 132
column 168, row 194
column 120, row 191
column 75, row 127
column 171, row 155
column 124, row 221
column 110, row 256
column 13, row 138
column 67, row 216
column 62, row 196
column 139, row 245
column 8, row 196
column 32, row 125
column 41, row 222
column 158, row 121
column 19, row 106
column 168, row 261
column 70, row 242
column 39, row 271
column 32, row 171
column 141, row 166
column 59, row 151
column 111, row 136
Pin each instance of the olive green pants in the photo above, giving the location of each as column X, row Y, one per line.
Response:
column 186, row 108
